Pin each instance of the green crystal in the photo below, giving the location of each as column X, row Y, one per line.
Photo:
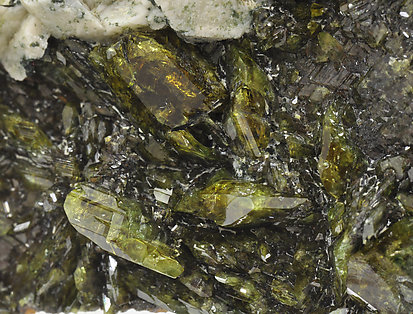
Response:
column 26, row 133
column 317, row 10
column 245, row 288
column 186, row 143
column 335, row 217
column 382, row 275
column 5, row 226
column 331, row 49
column 339, row 161
column 154, row 73
column 236, row 203
column 35, row 177
column 283, row 292
column 252, row 95
column 406, row 200
column 118, row 226
column 363, row 219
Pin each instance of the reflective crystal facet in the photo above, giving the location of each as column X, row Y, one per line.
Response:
column 118, row 226
column 251, row 97
column 236, row 203
column 339, row 161
column 170, row 88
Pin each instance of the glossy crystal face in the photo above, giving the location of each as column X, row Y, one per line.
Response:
column 267, row 174
column 118, row 226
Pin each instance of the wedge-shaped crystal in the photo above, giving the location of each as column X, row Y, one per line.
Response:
column 186, row 143
column 251, row 95
column 330, row 48
column 119, row 226
column 381, row 276
column 361, row 219
column 236, row 203
column 24, row 133
column 170, row 81
column 339, row 161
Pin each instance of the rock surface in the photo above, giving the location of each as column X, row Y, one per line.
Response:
column 267, row 174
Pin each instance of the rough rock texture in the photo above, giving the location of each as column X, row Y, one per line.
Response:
column 269, row 174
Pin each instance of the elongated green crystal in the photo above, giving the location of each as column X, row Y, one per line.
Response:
column 245, row 288
column 382, row 275
column 186, row 143
column 361, row 219
column 339, row 161
column 237, row 203
column 118, row 226
column 342, row 252
column 30, row 139
column 283, row 292
column 251, row 95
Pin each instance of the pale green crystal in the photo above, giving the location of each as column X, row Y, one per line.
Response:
column 237, row 203
column 339, row 161
column 251, row 96
column 118, row 226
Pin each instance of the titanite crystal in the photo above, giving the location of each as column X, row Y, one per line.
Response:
column 382, row 275
column 118, row 226
column 159, row 75
column 236, row 203
column 339, row 161
column 251, row 96
column 24, row 132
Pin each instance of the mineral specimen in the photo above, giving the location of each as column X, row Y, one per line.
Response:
column 118, row 226
column 252, row 96
column 234, row 203
column 26, row 25
column 267, row 174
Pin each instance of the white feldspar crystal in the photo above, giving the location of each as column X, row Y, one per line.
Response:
column 90, row 20
column 217, row 19
column 26, row 27
column 68, row 18
column 21, row 41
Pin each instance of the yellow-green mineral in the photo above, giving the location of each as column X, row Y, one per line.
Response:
column 118, row 226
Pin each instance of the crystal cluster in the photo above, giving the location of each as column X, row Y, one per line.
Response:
column 268, row 174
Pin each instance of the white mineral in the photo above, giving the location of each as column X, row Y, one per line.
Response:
column 206, row 19
column 26, row 27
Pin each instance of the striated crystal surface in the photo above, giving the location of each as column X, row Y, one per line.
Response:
column 118, row 226
column 252, row 94
column 172, row 88
column 236, row 203
column 267, row 174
